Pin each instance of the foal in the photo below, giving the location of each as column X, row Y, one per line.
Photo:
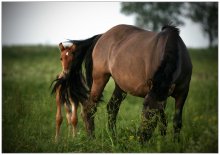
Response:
column 70, row 106
column 70, row 87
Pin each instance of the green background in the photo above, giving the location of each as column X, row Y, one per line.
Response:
column 28, row 109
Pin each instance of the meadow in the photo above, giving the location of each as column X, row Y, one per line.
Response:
column 28, row 109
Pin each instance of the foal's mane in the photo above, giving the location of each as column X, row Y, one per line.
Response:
column 76, row 85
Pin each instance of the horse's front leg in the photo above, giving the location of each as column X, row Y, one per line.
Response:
column 163, row 119
column 177, row 120
column 113, row 106
column 150, row 115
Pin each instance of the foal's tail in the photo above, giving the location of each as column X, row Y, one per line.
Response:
column 163, row 77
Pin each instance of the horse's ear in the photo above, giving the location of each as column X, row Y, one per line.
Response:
column 72, row 47
column 61, row 47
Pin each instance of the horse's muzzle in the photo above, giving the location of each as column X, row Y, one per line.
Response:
column 64, row 74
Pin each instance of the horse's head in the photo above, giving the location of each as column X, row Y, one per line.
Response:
column 66, row 57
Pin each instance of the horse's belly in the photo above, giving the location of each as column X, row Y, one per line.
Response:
column 132, row 75
column 140, row 90
column 132, row 84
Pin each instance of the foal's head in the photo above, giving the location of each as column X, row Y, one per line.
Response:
column 66, row 57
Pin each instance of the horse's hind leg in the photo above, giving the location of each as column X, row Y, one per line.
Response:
column 177, row 121
column 113, row 106
column 89, row 108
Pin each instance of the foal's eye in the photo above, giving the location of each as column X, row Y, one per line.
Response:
column 61, row 59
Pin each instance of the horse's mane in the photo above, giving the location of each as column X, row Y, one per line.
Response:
column 163, row 77
column 171, row 27
column 74, row 84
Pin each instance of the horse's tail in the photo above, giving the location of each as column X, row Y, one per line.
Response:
column 163, row 77
column 89, row 62
column 78, row 88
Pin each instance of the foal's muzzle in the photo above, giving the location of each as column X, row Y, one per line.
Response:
column 64, row 73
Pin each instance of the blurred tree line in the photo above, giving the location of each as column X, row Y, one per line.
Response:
column 153, row 15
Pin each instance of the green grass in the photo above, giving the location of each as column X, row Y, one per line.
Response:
column 28, row 109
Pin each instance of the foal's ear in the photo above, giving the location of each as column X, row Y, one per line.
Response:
column 72, row 47
column 61, row 47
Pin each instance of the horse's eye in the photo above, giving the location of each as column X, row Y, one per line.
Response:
column 61, row 59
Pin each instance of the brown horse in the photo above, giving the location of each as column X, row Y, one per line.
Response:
column 66, row 57
column 64, row 87
column 145, row 64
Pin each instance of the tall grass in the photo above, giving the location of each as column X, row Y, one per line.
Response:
column 28, row 109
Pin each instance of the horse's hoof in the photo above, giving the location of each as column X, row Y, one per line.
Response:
column 176, row 138
column 163, row 133
column 74, row 135
column 56, row 140
column 91, row 136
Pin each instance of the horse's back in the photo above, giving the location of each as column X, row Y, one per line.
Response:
column 129, row 54
column 107, row 46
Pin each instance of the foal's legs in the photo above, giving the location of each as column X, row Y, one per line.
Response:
column 74, row 118
column 71, row 115
column 113, row 106
column 89, row 109
column 68, row 117
column 177, row 121
column 59, row 117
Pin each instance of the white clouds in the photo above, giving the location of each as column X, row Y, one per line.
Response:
column 192, row 35
column 40, row 22
column 53, row 22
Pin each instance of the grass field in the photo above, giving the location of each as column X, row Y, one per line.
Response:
column 28, row 109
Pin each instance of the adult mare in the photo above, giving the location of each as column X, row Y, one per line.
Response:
column 143, row 63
